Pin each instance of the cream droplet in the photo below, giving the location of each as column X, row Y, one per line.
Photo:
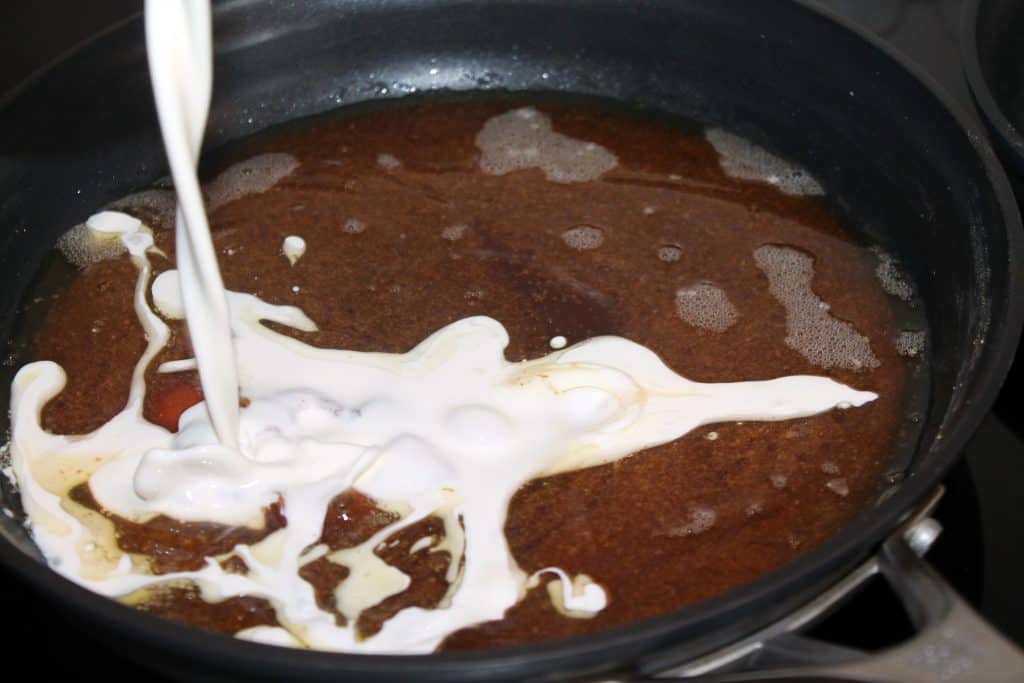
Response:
column 166, row 289
column 112, row 223
column 558, row 342
column 293, row 248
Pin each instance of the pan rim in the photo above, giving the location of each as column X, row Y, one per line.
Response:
column 979, row 85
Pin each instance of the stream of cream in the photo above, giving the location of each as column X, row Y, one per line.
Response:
column 180, row 51
column 450, row 428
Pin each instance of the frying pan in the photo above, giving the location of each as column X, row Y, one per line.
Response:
column 901, row 161
column 993, row 57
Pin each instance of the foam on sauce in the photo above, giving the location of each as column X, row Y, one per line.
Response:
column 353, row 226
column 891, row 277
column 160, row 204
column 583, row 237
column 706, row 306
column 455, row 232
column 669, row 253
column 910, row 343
column 85, row 245
column 742, row 159
column 388, row 161
column 257, row 174
column 523, row 139
column 811, row 330
column 701, row 519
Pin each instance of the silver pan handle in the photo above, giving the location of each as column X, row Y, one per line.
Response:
column 952, row 643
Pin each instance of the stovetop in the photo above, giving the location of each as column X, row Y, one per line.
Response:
column 980, row 551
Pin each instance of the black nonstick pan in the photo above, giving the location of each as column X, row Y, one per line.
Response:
column 898, row 157
column 993, row 57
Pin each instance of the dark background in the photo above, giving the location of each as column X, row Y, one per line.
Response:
column 982, row 552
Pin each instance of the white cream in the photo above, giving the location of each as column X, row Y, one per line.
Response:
column 112, row 223
column 577, row 597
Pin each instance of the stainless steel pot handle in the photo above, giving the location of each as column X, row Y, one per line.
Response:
column 953, row 642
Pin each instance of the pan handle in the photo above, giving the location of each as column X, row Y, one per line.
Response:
column 953, row 642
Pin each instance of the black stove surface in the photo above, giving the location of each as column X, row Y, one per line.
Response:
column 980, row 551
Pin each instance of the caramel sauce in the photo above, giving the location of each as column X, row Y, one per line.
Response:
column 389, row 286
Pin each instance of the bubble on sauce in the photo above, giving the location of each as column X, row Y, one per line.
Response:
column 454, row 232
column 891, row 276
column 523, row 138
column 353, row 226
column 252, row 176
column 811, row 330
column 706, row 306
column 742, row 159
column 838, row 486
column 701, row 519
column 910, row 343
column 779, row 481
column 829, row 467
column 388, row 161
column 583, row 237
column 670, row 253
column 157, row 206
